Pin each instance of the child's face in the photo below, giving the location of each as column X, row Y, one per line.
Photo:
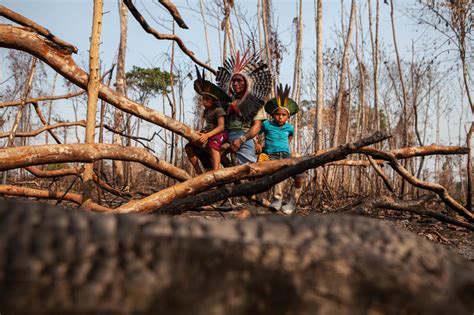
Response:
column 208, row 101
column 281, row 116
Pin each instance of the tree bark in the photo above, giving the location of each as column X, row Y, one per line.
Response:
column 206, row 35
column 26, row 91
column 436, row 188
column 92, row 94
column 48, row 194
column 174, row 12
column 11, row 158
column 469, row 168
column 375, row 58
column 262, row 184
column 118, row 166
column 21, row 20
column 280, row 170
column 340, row 92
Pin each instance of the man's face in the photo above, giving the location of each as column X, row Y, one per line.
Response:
column 238, row 84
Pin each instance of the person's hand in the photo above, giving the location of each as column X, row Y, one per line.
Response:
column 258, row 147
column 236, row 145
column 203, row 137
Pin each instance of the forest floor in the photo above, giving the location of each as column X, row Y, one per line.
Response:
column 457, row 239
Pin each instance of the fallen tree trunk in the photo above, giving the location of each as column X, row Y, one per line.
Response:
column 204, row 182
column 20, row 19
column 22, row 39
column 410, row 152
column 11, row 158
column 436, row 188
column 415, row 206
column 158, row 201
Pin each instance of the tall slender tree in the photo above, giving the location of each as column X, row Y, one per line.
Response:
column 318, row 127
column 344, row 65
column 92, row 94
column 118, row 166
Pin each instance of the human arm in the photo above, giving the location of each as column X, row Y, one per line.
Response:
column 252, row 132
column 220, row 128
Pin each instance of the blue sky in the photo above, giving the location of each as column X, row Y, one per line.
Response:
column 71, row 21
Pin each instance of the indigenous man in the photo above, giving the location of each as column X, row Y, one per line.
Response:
column 248, row 81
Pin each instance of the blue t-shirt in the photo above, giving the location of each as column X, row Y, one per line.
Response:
column 276, row 137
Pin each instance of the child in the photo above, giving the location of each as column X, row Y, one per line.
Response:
column 213, row 135
column 278, row 135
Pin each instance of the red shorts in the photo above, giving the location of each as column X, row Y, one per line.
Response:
column 215, row 142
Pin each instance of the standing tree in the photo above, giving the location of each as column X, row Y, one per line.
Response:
column 454, row 21
column 146, row 83
column 118, row 166
column 92, row 93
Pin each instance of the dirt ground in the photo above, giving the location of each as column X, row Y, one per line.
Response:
column 457, row 239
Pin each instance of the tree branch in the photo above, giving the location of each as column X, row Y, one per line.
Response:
column 36, row 132
column 11, row 158
column 415, row 207
column 382, row 175
column 174, row 13
column 48, row 194
column 140, row 19
column 74, row 171
column 17, row 18
column 41, row 98
column 53, row 173
column 436, row 188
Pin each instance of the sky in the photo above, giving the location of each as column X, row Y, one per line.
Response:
column 71, row 21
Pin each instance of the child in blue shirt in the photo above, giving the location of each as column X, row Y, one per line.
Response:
column 278, row 135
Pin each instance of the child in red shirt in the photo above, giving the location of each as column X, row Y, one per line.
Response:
column 213, row 135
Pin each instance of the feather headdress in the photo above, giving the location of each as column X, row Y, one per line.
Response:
column 207, row 88
column 282, row 100
column 257, row 76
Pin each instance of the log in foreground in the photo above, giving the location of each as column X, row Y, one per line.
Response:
column 55, row 261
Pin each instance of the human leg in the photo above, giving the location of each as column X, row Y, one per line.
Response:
column 216, row 159
column 277, row 199
column 192, row 156
column 246, row 152
column 295, row 195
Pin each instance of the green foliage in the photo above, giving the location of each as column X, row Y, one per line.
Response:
column 148, row 82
